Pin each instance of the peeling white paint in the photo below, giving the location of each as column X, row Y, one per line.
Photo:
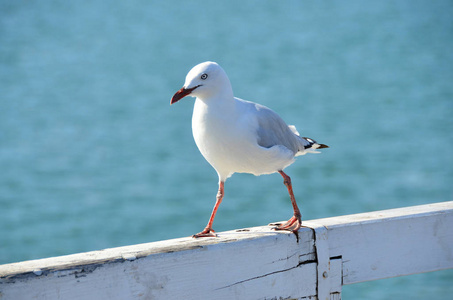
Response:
column 257, row 263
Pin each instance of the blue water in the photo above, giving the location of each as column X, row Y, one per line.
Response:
column 92, row 155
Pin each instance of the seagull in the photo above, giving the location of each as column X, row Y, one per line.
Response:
column 239, row 136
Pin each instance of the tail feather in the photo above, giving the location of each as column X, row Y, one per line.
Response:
column 322, row 146
column 312, row 144
column 309, row 144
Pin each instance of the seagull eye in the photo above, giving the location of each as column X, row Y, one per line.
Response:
column 204, row 76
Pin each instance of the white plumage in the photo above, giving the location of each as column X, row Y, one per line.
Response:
column 238, row 136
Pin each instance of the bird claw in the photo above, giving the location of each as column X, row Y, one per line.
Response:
column 292, row 224
column 207, row 232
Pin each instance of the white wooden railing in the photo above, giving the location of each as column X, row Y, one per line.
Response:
column 254, row 263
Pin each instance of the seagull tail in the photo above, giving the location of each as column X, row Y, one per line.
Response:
column 310, row 146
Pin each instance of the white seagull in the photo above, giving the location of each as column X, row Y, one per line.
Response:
column 238, row 136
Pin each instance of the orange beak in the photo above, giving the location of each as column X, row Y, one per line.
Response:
column 181, row 94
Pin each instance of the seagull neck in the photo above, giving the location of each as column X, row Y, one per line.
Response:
column 223, row 100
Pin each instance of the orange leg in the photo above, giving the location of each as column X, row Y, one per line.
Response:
column 294, row 223
column 208, row 232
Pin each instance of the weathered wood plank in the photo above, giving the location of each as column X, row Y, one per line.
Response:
column 273, row 267
column 257, row 263
column 394, row 242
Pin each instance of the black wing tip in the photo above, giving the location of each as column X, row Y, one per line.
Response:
column 312, row 142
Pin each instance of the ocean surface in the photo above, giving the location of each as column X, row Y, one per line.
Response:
column 92, row 156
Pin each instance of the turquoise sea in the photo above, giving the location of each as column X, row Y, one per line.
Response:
column 92, row 156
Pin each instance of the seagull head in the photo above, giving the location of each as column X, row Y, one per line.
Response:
column 204, row 81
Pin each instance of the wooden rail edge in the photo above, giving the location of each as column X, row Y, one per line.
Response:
column 251, row 263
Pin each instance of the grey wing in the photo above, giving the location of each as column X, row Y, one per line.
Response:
column 272, row 131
